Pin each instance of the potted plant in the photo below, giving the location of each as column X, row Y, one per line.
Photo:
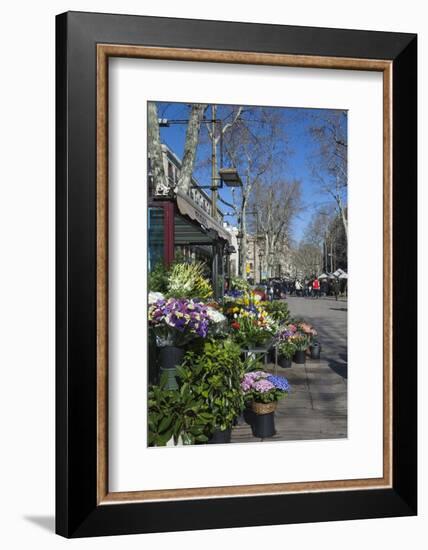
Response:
column 264, row 390
column 285, row 345
column 286, row 351
column 311, row 334
column 175, row 417
column 248, row 332
column 175, row 323
column 301, row 343
column 212, row 372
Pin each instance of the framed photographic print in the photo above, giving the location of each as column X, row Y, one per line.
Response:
column 236, row 266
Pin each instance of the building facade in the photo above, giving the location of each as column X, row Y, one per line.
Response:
column 181, row 225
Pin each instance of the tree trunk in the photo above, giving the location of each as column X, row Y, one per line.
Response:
column 160, row 184
column 344, row 220
column 243, row 244
column 267, row 247
column 191, row 144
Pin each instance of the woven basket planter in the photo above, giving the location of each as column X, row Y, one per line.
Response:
column 263, row 408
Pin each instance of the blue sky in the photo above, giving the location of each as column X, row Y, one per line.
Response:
column 299, row 147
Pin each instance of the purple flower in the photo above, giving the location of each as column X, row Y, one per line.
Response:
column 183, row 315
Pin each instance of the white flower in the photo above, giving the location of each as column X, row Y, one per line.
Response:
column 215, row 315
column 155, row 296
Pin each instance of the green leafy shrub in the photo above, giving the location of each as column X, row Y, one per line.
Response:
column 175, row 414
column 158, row 278
column 213, row 374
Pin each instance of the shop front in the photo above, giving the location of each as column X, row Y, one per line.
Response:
column 179, row 228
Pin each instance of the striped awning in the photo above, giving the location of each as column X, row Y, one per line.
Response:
column 209, row 226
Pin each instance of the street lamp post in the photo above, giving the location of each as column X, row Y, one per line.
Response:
column 255, row 237
column 260, row 266
column 213, row 163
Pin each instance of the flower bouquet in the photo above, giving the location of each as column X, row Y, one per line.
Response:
column 237, row 283
column 175, row 323
column 250, row 331
column 188, row 281
column 286, row 351
column 264, row 391
column 301, row 343
column 179, row 321
column 312, row 335
column 233, row 295
column 278, row 311
column 284, row 344
column 308, row 330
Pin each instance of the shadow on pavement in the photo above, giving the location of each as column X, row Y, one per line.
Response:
column 340, row 368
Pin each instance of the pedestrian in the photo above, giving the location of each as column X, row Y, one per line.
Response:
column 336, row 289
column 316, row 288
column 298, row 288
column 270, row 292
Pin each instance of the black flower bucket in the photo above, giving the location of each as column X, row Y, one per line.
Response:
column 316, row 351
column 221, row 436
column 263, row 425
column 300, row 357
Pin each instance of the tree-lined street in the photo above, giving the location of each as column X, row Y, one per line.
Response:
column 247, row 261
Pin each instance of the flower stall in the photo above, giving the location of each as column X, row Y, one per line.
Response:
column 203, row 369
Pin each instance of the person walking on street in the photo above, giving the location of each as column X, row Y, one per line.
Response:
column 298, row 287
column 336, row 289
column 270, row 292
column 316, row 288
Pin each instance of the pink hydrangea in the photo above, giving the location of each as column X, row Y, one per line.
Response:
column 251, row 378
column 263, row 386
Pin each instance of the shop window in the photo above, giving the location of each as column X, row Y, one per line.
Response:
column 156, row 237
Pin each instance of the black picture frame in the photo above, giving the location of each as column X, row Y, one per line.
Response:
column 77, row 511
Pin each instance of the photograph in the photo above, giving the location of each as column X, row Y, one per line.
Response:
column 247, row 259
column 213, row 263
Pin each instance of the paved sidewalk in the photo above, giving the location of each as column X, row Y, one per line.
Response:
column 330, row 318
column 316, row 407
